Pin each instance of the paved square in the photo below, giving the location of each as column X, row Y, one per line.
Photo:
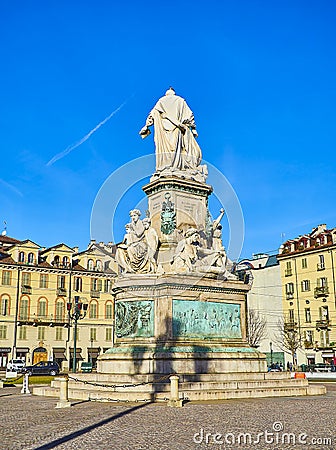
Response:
column 30, row 422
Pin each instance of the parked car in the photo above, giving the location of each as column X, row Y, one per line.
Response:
column 15, row 365
column 42, row 368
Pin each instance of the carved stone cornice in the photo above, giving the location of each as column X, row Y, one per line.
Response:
column 177, row 184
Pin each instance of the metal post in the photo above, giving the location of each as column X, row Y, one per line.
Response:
column 271, row 349
column 74, row 362
column 63, row 399
column 174, row 400
column 25, row 384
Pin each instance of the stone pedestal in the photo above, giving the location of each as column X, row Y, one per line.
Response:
column 191, row 324
column 190, row 200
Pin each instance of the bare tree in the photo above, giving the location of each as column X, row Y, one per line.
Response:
column 288, row 337
column 256, row 327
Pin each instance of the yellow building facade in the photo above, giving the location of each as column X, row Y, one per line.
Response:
column 37, row 286
column 307, row 265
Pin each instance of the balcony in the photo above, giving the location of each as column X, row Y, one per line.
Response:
column 25, row 289
column 95, row 294
column 323, row 324
column 321, row 291
column 61, row 292
column 288, row 272
column 320, row 266
column 289, row 295
column 290, row 325
column 308, row 344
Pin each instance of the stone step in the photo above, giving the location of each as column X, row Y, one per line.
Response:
column 127, row 378
column 186, row 386
column 297, row 389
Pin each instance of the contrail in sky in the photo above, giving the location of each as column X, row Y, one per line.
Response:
column 10, row 186
column 85, row 138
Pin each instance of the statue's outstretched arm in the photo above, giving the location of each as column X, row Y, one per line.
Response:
column 145, row 131
column 219, row 218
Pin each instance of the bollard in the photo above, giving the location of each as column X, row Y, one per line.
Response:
column 174, row 401
column 63, row 400
column 25, row 384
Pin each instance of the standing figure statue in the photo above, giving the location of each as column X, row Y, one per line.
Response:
column 136, row 252
column 174, row 134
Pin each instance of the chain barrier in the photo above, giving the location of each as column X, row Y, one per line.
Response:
column 113, row 386
column 12, row 380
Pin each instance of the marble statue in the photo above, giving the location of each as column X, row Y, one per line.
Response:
column 136, row 253
column 174, row 134
column 191, row 256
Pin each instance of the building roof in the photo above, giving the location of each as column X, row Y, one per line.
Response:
column 4, row 239
column 55, row 247
column 272, row 261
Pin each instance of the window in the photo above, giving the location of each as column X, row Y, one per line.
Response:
column 59, row 313
column 309, row 336
column 290, row 288
column 98, row 264
column 288, row 265
column 26, row 279
column 78, row 284
column 65, row 261
column 94, row 284
column 90, row 264
column 93, row 334
column 93, row 310
column 324, row 338
column 291, row 315
column 23, row 333
column 21, row 257
column 108, row 334
column 59, row 333
column 322, row 282
column 108, row 310
column 42, row 308
column 107, row 285
column 304, row 263
column 61, row 281
column 43, row 281
column 307, row 315
column 3, row 331
column 56, row 261
column 305, row 285
column 324, row 313
column 6, row 277
column 40, row 333
column 30, row 258
column 23, row 309
column 5, row 303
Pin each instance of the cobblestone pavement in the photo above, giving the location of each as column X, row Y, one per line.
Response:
column 30, row 422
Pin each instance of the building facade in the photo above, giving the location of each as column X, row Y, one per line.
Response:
column 307, row 265
column 265, row 299
column 37, row 286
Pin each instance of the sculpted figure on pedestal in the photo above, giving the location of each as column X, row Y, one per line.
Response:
column 174, row 135
column 190, row 256
column 136, row 253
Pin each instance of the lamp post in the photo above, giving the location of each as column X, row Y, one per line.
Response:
column 79, row 312
column 271, row 350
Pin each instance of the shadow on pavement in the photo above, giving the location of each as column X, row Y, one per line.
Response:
column 78, row 433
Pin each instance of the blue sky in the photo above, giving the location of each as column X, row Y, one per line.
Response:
column 259, row 77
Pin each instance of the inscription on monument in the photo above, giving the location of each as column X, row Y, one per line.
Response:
column 135, row 319
column 195, row 319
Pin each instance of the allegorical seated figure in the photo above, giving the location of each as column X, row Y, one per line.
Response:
column 136, row 253
column 190, row 256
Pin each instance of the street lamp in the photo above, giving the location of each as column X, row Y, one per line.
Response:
column 271, row 350
column 78, row 313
